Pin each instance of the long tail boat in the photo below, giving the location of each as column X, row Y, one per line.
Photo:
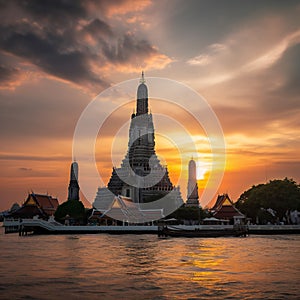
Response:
column 173, row 231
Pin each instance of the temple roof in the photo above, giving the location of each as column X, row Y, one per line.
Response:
column 123, row 208
column 224, row 208
column 46, row 201
column 27, row 212
column 37, row 204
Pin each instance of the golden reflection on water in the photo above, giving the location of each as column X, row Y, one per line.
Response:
column 206, row 263
column 145, row 267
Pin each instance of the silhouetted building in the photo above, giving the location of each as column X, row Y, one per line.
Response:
column 225, row 209
column 141, row 176
column 192, row 189
column 40, row 205
column 73, row 191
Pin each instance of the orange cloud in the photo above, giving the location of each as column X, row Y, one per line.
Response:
column 126, row 6
column 155, row 61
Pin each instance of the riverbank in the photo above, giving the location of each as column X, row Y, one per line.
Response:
column 38, row 226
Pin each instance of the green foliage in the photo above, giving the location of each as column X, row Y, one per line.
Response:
column 74, row 208
column 265, row 217
column 279, row 195
column 189, row 213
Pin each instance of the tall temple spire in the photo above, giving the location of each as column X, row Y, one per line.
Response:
column 192, row 192
column 142, row 97
column 141, row 176
column 142, row 80
column 73, row 191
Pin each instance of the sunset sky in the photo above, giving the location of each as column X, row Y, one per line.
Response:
column 243, row 57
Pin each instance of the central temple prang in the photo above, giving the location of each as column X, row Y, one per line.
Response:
column 141, row 177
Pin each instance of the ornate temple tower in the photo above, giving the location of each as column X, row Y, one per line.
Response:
column 141, row 175
column 73, row 193
column 192, row 189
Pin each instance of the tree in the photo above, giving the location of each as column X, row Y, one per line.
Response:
column 189, row 213
column 279, row 195
column 74, row 208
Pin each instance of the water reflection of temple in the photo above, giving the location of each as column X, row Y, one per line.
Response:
column 141, row 177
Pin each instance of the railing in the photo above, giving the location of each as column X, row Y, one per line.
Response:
column 270, row 227
column 15, row 225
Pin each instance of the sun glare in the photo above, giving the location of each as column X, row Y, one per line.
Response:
column 201, row 171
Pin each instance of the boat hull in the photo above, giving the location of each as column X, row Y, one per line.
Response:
column 201, row 233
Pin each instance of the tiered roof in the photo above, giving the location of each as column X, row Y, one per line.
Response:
column 123, row 208
column 37, row 204
column 224, row 208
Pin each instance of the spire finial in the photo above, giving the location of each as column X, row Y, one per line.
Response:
column 142, row 80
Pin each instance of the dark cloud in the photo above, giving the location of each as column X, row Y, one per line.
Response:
column 265, row 100
column 49, row 52
column 98, row 28
column 65, row 40
column 289, row 66
column 282, row 100
column 209, row 21
column 128, row 48
column 63, row 12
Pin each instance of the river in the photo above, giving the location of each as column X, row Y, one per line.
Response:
column 103, row 266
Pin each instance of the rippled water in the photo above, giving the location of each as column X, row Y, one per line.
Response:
column 105, row 266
